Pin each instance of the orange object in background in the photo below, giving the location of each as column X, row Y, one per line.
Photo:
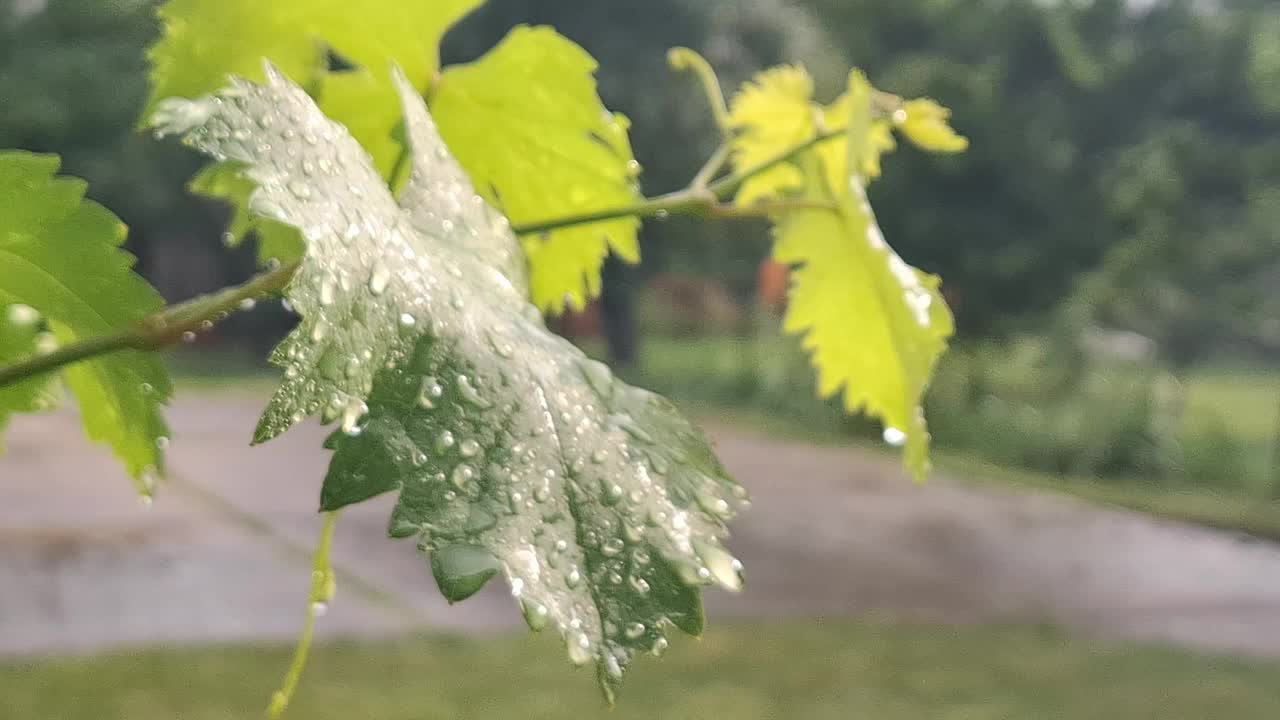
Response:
column 772, row 283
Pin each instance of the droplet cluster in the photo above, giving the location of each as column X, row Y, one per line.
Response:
column 602, row 505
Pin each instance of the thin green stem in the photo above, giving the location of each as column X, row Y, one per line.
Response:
column 711, row 167
column 729, row 184
column 168, row 327
column 158, row 331
column 767, row 209
column 691, row 200
column 322, row 589
column 681, row 58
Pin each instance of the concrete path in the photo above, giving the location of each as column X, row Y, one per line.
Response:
column 222, row 555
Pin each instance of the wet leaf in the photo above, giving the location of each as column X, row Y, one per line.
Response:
column 603, row 507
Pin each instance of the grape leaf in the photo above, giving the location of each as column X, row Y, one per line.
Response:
column 775, row 112
column 924, row 122
column 60, row 256
column 525, row 119
column 511, row 450
column 770, row 115
column 204, row 42
column 526, row 123
column 873, row 325
column 223, row 181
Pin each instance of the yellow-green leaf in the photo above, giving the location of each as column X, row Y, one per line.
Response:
column 771, row 113
column 527, row 124
column 205, row 41
column 874, row 326
column 924, row 122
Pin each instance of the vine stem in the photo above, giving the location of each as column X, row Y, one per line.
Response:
column 692, row 200
column 157, row 331
column 700, row 198
column 322, row 589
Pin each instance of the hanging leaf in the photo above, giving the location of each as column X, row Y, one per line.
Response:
column 510, row 450
column 873, row 325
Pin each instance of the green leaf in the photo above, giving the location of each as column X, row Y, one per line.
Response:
column 873, row 325
column 205, row 42
column 603, row 507
column 525, row 120
column 60, row 255
column 526, row 123
column 223, row 181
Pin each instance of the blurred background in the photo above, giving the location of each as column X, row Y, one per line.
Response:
column 1110, row 244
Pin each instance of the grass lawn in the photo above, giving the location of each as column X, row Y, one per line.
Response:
column 798, row 671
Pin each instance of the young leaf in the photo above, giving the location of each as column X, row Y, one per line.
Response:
column 526, row 123
column 924, row 122
column 873, row 325
column 772, row 113
column 602, row 506
column 775, row 111
column 60, row 256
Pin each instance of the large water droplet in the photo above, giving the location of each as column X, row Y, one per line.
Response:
column 721, row 566
column 894, row 437
column 461, row 475
column 469, row 392
column 299, row 189
column 379, row 279
column 579, row 649
column 351, row 415
column 328, row 291
column 612, row 547
column 536, row 614
column 428, row 392
column 469, row 448
column 444, row 441
column 461, row 570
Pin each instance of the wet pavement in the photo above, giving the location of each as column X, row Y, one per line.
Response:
column 223, row 553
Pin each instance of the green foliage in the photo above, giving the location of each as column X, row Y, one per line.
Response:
column 833, row 669
column 602, row 506
column 845, row 268
column 524, row 120
column 61, row 267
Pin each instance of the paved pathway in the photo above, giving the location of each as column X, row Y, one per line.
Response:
column 222, row 554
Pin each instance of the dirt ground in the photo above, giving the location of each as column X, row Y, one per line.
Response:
column 222, row 554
